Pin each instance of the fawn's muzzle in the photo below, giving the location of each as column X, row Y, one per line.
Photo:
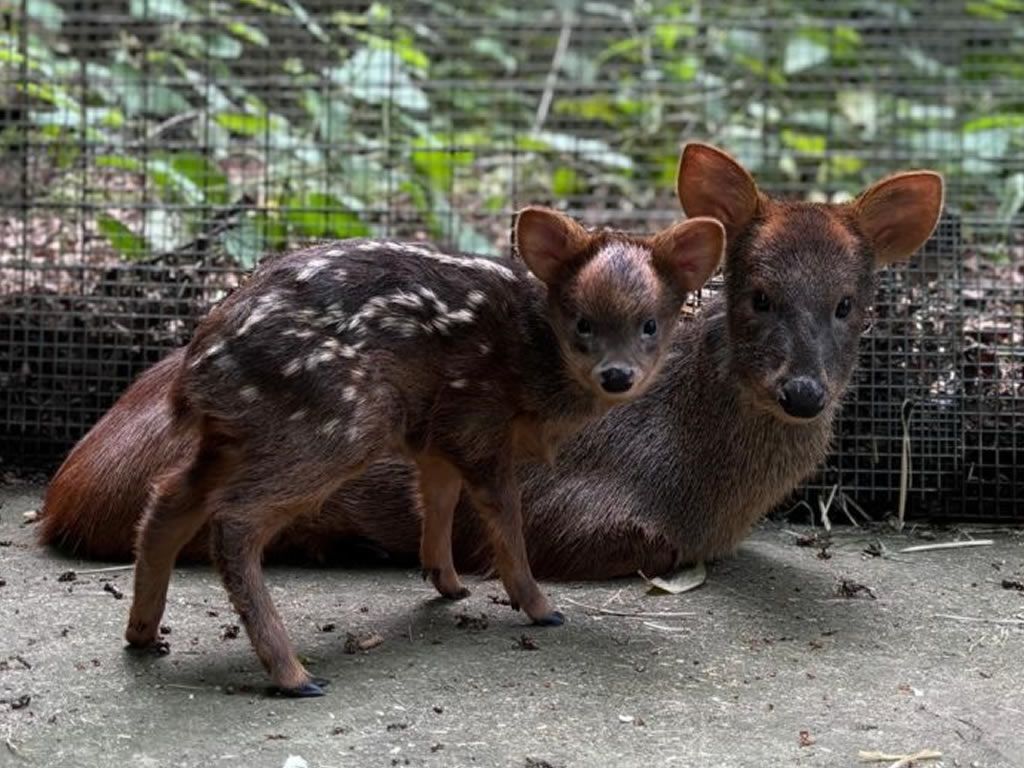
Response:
column 802, row 397
column 617, row 380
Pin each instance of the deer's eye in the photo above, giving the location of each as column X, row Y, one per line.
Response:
column 650, row 327
column 761, row 302
column 843, row 308
column 583, row 327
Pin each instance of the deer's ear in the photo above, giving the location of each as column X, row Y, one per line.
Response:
column 689, row 252
column 549, row 242
column 898, row 214
column 711, row 183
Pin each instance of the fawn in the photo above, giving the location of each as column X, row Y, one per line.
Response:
column 679, row 475
column 333, row 357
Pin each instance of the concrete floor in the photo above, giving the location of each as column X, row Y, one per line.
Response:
column 769, row 666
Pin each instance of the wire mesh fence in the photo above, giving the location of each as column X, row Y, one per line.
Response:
column 153, row 150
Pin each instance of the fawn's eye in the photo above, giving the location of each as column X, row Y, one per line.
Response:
column 583, row 327
column 843, row 308
column 761, row 302
column 650, row 327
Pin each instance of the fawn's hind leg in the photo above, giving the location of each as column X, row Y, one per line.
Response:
column 176, row 511
column 439, row 486
column 238, row 534
column 495, row 494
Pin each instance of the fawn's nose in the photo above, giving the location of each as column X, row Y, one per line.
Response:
column 617, row 380
column 802, row 397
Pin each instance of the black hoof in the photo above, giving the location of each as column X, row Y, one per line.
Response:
column 553, row 619
column 323, row 682
column 460, row 594
column 309, row 690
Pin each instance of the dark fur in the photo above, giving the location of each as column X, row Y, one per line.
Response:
column 338, row 356
column 679, row 475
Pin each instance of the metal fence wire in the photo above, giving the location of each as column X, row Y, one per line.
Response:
column 153, row 150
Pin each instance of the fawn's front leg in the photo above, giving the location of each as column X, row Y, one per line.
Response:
column 495, row 494
column 439, row 485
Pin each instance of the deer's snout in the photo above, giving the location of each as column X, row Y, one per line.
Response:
column 616, row 380
column 802, row 397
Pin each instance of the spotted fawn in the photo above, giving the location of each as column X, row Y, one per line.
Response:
column 332, row 358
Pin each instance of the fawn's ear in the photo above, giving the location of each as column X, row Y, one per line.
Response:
column 689, row 252
column 899, row 213
column 549, row 242
column 711, row 183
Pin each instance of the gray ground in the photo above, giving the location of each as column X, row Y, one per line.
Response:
column 769, row 666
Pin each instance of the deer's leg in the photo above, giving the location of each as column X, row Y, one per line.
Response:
column 495, row 494
column 176, row 511
column 239, row 531
column 439, row 486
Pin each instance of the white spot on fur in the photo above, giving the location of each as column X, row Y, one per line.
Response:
column 358, row 374
column 349, row 394
column 459, row 384
column 299, row 415
column 354, row 434
column 484, row 347
column 461, row 316
column 249, row 394
column 311, row 268
column 292, row 367
column 330, row 426
column 319, row 357
column 213, row 349
column 476, row 298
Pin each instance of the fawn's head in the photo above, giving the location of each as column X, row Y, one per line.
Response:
column 800, row 277
column 613, row 298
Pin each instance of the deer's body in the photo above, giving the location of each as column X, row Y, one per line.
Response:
column 331, row 359
column 680, row 474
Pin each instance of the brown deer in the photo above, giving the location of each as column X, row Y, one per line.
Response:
column 679, row 475
column 334, row 357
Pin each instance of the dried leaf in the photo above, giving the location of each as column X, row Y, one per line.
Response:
column 678, row 582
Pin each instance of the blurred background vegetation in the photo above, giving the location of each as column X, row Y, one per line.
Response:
column 151, row 117
column 152, row 150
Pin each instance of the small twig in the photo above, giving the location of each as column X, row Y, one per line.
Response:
column 665, row 628
column 552, row 79
column 108, row 569
column 905, row 466
column 901, row 760
column 947, row 545
column 980, row 619
column 633, row 614
column 825, row 508
column 171, row 122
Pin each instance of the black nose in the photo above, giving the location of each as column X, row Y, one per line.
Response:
column 802, row 397
column 616, row 379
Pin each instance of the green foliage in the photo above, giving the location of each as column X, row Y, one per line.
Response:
column 382, row 105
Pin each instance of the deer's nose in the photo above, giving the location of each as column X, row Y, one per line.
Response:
column 617, row 380
column 802, row 397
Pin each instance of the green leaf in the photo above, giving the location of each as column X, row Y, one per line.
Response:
column 491, row 48
column 244, row 243
column 175, row 10
column 804, row 143
column 307, row 21
column 203, row 175
column 438, row 163
column 1013, row 198
column 47, row 13
column 248, row 33
column 378, row 76
column 127, row 243
column 594, row 150
column 224, row 47
column 243, row 124
column 163, row 230
column 565, row 182
column 802, row 53
column 316, row 214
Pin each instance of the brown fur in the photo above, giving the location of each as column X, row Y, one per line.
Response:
column 336, row 357
column 677, row 476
